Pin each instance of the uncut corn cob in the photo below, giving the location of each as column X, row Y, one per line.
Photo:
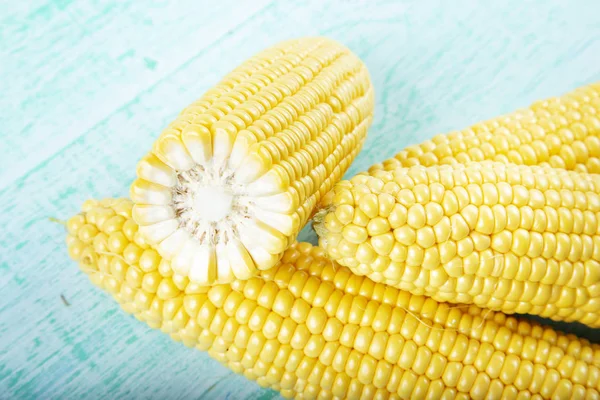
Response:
column 517, row 239
column 309, row 328
column 561, row 132
column 230, row 183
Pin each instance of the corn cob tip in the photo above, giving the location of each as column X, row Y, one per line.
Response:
column 318, row 220
column 230, row 183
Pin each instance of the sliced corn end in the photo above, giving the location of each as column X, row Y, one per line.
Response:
column 310, row 328
column 230, row 183
column 561, row 132
column 512, row 238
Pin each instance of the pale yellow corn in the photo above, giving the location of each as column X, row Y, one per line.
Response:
column 309, row 328
column 517, row 239
column 230, row 183
column 561, row 132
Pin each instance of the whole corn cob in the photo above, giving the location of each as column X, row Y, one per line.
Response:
column 561, row 132
column 517, row 239
column 229, row 184
column 309, row 328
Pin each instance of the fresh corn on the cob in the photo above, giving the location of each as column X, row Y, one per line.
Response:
column 309, row 328
column 561, row 132
column 511, row 238
column 230, row 183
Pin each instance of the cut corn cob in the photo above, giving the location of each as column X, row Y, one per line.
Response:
column 309, row 328
column 561, row 132
column 518, row 239
column 230, row 183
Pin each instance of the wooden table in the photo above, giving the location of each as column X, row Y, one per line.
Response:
column 86, row 86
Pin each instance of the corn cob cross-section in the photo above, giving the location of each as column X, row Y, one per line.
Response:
column 560, row 132
column 511, row 238
column 309, row 328
column 229, row 184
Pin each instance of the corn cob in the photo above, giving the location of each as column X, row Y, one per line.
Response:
column 309, row 328
column 517, row 239
column 229, row 184
column 561, row 132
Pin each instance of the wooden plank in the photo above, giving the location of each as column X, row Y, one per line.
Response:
column 436, row 66
column 69, row 67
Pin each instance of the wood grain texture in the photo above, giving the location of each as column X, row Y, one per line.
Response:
column 86, row 86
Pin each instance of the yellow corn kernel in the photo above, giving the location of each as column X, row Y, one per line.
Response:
column 561, row 132
column 507, row 237
column 229, row 184
column 310, row 328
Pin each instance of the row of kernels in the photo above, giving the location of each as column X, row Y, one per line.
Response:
column 503, row 252
column 559, row 246
column 484, row 219
column 486, row 174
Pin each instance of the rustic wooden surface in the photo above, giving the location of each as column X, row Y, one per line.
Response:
column 87, row 85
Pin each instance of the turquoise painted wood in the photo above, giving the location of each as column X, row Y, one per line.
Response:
column 86, row 86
